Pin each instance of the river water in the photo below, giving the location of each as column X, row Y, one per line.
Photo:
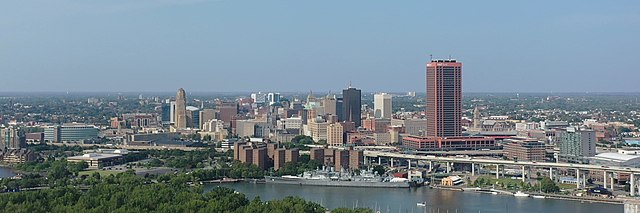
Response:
column 405, row 200
column 6, row 172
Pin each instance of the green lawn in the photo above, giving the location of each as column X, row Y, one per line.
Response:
column 566, row 186
column 102, row 172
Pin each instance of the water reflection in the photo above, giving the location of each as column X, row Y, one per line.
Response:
column 405, row 200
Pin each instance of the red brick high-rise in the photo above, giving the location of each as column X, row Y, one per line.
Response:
column 444, row 98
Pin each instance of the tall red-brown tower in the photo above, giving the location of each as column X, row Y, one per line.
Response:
column 444, row 98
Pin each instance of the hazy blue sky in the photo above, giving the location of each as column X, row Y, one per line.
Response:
column 237, row 45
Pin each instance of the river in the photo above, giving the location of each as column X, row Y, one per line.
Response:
column 405, row 200
column 6, row 172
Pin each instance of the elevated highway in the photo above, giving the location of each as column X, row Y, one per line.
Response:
column 470, row 160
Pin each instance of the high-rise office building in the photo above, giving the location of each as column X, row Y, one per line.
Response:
column 258, row 98
column 181, row 110
column 165, row 116
column 329, row 104
column 352, row 105
column 339, row 111
column 193, row 117
column 227, row 111
column 273, row 98
column 206, row 115
column 444, row 98
column 172, row 112
column 444, row 112
column 382, row 105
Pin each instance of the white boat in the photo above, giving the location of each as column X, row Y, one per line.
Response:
column 538, row 197
column 494, row 193
column 423, row 204
column 520, row 194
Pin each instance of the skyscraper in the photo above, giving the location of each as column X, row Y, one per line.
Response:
column 444, row 98
column 172, row 112
column 329, row 104
column 181, row 110
column 352, row 106
column 382, row 105
column 165, row 116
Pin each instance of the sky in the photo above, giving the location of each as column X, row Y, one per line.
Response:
column 291, row 46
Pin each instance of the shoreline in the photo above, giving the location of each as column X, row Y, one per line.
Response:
column 615, row 201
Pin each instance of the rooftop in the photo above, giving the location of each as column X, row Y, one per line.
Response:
column 94, row 156
column 612, row 156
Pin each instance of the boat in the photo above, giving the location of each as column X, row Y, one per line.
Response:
column 365, row 179
column 422, row 204
column 494, row 193
column 520, row 194
column 538, row 197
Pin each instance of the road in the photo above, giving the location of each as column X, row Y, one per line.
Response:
column 502, row 162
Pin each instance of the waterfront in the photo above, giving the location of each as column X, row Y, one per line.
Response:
column 404, row 200
column 6, row 172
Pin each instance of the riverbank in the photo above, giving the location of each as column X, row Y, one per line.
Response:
column 590, row 199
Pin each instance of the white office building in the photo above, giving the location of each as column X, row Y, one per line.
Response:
column 382, row 105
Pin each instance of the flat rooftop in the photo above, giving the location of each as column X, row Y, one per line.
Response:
column 94, row 156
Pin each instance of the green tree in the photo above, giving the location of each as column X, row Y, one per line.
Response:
column 379, row 169
column 548, row 186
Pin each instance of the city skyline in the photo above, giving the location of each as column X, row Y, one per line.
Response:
column 319, row 106
column 94, row 46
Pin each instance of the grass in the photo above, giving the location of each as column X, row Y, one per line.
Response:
column 566, row 186
column 102, row 172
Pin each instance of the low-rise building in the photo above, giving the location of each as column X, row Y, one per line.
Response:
column 97, row 160
column 616, row 159
column 448, row 143
column 70, row 133
column 13, row 156
column 451, row 181
column 524, row 149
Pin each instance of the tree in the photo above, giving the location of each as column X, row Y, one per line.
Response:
column 624, row 129
column 196, row 137
column 548, row 186
column 379, row 169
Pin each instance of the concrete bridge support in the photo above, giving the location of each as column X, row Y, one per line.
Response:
column 632, row 185
column 577, row 178
column 473, row 169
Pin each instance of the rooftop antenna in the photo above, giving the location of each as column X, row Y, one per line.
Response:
column 430, row 57
column 349, row 84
